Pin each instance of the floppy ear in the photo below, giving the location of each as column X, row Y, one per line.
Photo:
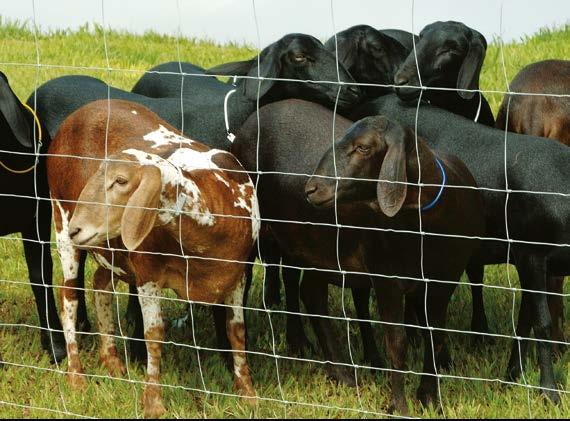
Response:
column 347, row 50
column 269, row 67
column 239, row 68
column 468, row 77
column 14, row 113
column 391, row 196
column 137, row 222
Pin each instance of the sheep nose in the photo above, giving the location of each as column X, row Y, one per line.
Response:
column 310, row 189
column 400, row 80
column 355, row 90
column 74, row 231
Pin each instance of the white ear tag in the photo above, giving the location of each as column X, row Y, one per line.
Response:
column 231, row 137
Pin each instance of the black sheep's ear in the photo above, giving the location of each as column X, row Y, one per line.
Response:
column 269, row 67
column 239, row 68
column 468, row 77
column 347, row 50
column 391, row 196
column 14, row 113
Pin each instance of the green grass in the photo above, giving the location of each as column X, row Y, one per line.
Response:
column 302, row 382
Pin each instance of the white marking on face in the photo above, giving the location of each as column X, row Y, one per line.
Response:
column 105, row 263
column 172, row 178
column 162, row 136
column 134, row 112
column 222, row 179
column 65, row 248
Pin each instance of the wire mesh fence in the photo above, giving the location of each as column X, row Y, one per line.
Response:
column 291, row 376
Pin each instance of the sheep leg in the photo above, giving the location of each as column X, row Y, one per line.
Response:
column 137, row 346
column 523, row 330
column 220, row 319
column 437, row 302
column 40, row 266
column 69, row 257
column 296, row 338
column 149, row 298
column 411, row 312
column 83, row 324
column 105, row 322
column 314, row 292
column 236, row 334
column 556, row 307
column 532, row 273
column 69, row 262
column 418, row 298
column 361, row 297
column 271, row 255
column 391, row 309
column 479, row 322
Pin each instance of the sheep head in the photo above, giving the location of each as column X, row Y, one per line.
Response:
column 121, row 198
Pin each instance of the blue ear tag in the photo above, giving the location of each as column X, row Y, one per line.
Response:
column 440, row 192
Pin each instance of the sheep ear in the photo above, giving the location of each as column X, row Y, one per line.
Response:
column 239, row 68
column 468, row 77
column 391, row 196
column 14, row 113
column 347, row 50
column 269, row 67
column 137, row 222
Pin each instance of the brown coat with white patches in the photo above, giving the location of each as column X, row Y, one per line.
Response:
column 214, row 224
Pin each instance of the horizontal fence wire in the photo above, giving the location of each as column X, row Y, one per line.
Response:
column 270, row 313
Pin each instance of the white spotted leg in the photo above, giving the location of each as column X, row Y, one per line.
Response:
column 149, row 298
column 69, row 257
column 236, row 335
column 106, row 323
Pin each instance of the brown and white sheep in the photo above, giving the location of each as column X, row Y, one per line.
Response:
column 167, row 211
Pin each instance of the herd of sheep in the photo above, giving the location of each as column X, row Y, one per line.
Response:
column 373, row 160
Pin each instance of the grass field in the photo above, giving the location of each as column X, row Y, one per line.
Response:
column 29, row 381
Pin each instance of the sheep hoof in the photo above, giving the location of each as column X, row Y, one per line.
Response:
column 553, row 396
column 558, row 350
column 245, row 389
column 76, row 380
column 152, row 402
column 299, row 344
column 114, row 366
column 343, row 375
column 427, row 396
column 398, row 407
column 138, row 351
column 54, row 344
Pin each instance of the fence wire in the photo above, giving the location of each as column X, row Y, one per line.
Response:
column 279, row 358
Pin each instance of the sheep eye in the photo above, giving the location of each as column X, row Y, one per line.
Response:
column 363, row 149
column 300, row 58
column 121, row 180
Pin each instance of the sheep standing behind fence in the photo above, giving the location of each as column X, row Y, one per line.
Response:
column 179, row 215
